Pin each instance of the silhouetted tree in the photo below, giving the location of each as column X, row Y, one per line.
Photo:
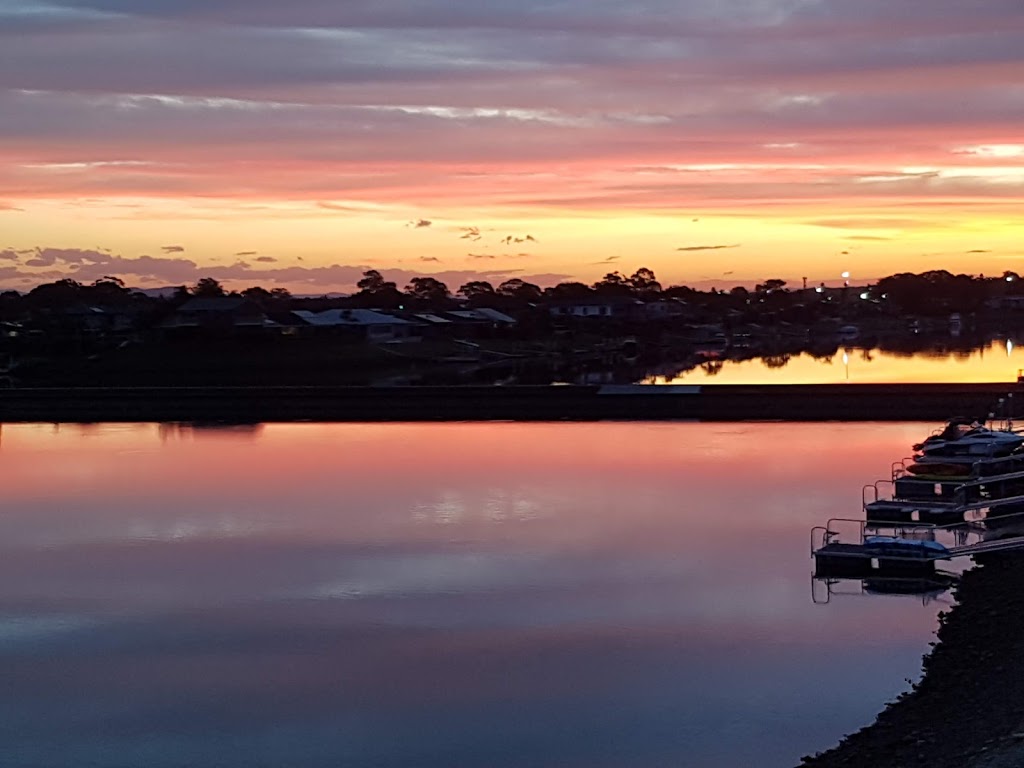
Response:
column 644, row 282
column 570, row 290
column 57, row 295
column 274, row 298
column 520, row 290
column 614, row 284
column 208, row 288
column 477, row 291
column 373, row 282
column 428, row 290
column 375, row 291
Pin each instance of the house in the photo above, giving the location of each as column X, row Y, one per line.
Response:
column 217, row 313
column 491, row 317
column 600, row 307
column 362, row 324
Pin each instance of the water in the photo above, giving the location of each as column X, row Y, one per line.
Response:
column 613, row 594
column 998, row 361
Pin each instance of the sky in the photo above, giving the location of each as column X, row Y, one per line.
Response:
column 717, row 142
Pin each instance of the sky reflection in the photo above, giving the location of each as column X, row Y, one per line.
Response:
column 998, row 361
column 471, row 594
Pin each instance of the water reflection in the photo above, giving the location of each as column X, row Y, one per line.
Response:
column 990, row 362
column 435, row 595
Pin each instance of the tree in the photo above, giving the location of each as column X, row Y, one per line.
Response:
column 429, row 290
column 375, row 291
column 570, row 290
column 614, row 284
column 57, row 295
column 208, row 288
column 476, row 291
column 108, row 290
column 256, row 293
column 374, row 282
column 644, row 282
column 520, row 290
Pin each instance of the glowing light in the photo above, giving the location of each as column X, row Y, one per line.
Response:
column 865, row 295
column 1009, row 347
column 845, row 275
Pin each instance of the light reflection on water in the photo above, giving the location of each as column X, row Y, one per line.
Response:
column 997, row 361
column 436, row 595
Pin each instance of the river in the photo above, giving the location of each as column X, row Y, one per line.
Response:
column 391, row 595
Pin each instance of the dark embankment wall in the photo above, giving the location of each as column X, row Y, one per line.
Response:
column 862, row 402
column 968, row 709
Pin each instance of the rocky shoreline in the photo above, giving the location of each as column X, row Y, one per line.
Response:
column 967, row 711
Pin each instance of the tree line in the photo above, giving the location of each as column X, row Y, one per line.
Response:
column 930, row 292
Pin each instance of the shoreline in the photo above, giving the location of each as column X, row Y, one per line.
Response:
column 967, row 711
column 718, row 402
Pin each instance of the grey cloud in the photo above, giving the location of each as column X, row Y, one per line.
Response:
column 172, row 249
column 177, row 271
column 246, row 253
column 707, row 247
column 261, row 259
column 9, row 255
column 429, row 258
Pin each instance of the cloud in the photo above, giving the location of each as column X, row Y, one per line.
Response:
column 868, row 238
column 247, row 253
column 420, row 224
column 978, row 250
column 430, row 258
column 9, row 207
column 869, row 223
column 50, row 264
column 261, row 259
column 608, row 260
column 9, row 255
column 172, row 248
column 707, row 247
column 470, row 233
column 481, row 255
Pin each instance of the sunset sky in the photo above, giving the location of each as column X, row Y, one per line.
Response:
column 717, row 142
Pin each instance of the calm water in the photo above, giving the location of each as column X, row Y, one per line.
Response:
column 592, row 595
column 993, row 362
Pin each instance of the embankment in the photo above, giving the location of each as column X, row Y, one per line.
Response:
column 783, row 402
column 968, row 709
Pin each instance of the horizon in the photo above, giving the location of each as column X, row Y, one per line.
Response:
column 298, row 146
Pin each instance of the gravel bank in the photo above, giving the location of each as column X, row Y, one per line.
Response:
column 968, row 709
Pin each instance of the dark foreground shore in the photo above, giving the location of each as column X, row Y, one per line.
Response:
column 968, row 709
column 774, row 402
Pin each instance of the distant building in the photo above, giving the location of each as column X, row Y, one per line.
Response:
column 363, row 324
column 217, row 313
column 597, row 307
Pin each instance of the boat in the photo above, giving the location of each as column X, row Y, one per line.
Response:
column 895, row 546
column 968, row 438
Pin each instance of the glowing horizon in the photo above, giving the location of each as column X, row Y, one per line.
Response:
column 298, row 145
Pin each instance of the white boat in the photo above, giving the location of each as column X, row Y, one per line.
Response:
column 965, row 438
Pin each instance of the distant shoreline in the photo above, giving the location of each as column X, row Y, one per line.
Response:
column 716, row 402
